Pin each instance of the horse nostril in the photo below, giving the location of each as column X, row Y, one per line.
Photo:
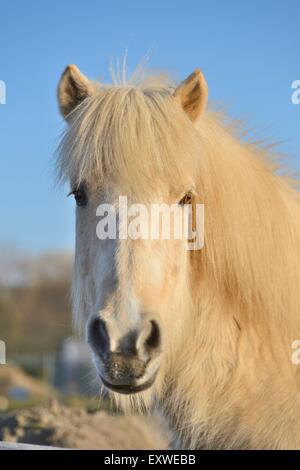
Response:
column 153, row 340
column 98, row 336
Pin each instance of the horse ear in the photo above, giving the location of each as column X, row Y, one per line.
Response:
column 72, row 89
column 192, row 95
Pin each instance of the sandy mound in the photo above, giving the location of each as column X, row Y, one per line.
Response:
column 75, row 428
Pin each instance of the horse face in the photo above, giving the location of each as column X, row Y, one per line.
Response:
column 126, row 289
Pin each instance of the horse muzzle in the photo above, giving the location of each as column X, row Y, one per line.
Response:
column 133, row 364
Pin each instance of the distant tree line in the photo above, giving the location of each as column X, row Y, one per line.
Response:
column 34, row 301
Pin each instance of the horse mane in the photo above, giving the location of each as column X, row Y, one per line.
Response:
column 252, row 228
column 137, row 134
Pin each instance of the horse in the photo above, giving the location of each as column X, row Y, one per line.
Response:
column 205, row 336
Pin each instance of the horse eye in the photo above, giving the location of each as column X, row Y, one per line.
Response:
column 187, row 199
column 80, row 195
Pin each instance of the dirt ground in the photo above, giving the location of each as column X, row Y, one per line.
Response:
column 61, row 426
column 46, row 422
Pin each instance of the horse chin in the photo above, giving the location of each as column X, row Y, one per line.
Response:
column 128, row 389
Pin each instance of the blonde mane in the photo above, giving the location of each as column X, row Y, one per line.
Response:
column 136, row 134
column 107, row 137
column 250, row 264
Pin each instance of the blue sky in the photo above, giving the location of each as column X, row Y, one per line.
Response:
column 249, row 52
